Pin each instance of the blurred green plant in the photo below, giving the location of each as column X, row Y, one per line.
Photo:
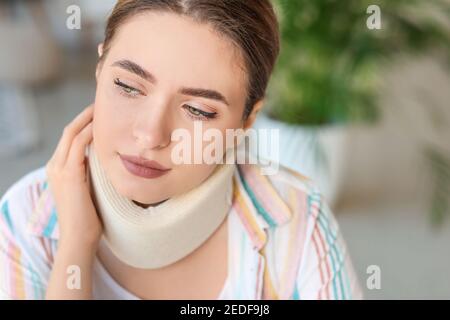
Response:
column 331, row 65
column 440, row 164
column 329, row 68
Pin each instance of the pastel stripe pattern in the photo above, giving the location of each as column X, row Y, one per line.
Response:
column 284, row 242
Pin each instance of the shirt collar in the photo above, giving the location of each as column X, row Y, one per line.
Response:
column 255, row 199
column 258, row 203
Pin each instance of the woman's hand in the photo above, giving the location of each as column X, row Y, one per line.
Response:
column 79, row 225
column 68, row 177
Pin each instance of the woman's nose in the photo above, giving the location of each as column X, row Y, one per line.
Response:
column 151, row 129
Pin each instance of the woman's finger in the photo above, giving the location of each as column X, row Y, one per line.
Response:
column 70, row 131
column 77, row 152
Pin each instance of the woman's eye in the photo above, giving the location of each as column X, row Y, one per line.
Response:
column 126, row 89
column 198, row 114
column 194, row 111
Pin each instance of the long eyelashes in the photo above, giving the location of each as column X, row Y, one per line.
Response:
column 133, row 93
column 198, row 114
column 127, row 90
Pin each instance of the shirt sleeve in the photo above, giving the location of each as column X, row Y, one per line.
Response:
column 22, row 267
column 326, row 271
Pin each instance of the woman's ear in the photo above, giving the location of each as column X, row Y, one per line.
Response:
column 100, row 54
column 248, row 123
column 100, row 50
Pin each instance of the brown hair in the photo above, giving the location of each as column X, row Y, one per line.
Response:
column 251, row 25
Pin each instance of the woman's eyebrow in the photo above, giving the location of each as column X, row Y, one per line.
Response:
column 136, row 69
column 133, row 67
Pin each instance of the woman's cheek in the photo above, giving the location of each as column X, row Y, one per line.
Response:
column 115, row 115
column 112, row 106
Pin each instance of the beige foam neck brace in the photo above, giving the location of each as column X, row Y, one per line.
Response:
column 160, row 235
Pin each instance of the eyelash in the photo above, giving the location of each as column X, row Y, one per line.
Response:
column 131, row 93
column 201, row 115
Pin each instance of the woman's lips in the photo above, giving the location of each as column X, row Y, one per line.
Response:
column 144, row 168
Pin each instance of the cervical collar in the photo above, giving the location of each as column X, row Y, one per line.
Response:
column 160, row 235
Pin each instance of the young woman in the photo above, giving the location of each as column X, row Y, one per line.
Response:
column 112, row 216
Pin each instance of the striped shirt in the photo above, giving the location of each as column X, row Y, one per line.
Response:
column 284, row 242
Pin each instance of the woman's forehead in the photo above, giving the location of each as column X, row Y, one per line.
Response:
column 178, row 50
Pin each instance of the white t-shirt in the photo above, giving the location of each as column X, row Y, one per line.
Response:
column 106, row 288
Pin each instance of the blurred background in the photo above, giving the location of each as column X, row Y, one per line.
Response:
column 361, row 95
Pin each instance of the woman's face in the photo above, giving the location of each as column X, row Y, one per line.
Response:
column 148, row 86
